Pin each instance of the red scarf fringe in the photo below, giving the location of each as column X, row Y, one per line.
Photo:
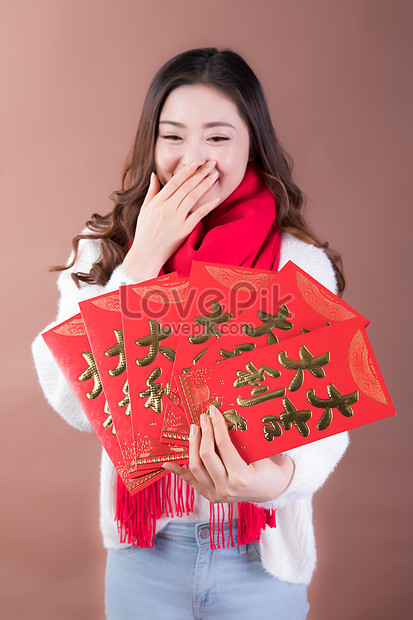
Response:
column 136, row 515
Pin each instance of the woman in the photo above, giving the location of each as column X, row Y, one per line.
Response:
column 207, row 179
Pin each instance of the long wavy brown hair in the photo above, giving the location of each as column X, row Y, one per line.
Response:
column 228, row 72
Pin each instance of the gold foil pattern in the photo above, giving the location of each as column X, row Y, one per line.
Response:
column 125, row 402
column 165, row 294
column 195, row 360
column 230, row 278
column 210, row 322
column 306, row 362
column 75, row 327
column 320, row 301
column 335, row 400
column 273, row 425
column 154, row 392
column 152, row 340
column 363, row 371
column 237, row 350
column 270, row 322
column 254, row 375
column 118, row 349
column 91, row 372
column 234, row 420
column 108, row 422
column 257, row 399
column 108, row 302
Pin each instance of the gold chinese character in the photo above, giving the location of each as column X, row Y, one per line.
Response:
column 271, row 321
column 91, row 372
column 237, row 350
column 334, row 401
column 195, row 360
column 108, row 422
column 306, row 362
column 273, row 425
column 254, row 376
column 154, row 391
column 118, row 349
column 125, row 402
column 210, row 321
column 152, row 340
column 234, row 420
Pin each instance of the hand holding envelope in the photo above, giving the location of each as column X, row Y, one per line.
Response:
column 218, row 472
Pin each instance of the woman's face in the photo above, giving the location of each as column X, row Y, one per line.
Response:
column 199, row 123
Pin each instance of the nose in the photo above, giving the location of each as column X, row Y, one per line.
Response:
column 194, row 152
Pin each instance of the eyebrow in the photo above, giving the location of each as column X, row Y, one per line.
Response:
column 205, row 125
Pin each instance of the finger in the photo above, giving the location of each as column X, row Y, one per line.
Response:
column 196, row 464
column 190, row 191
column 153, row 189
column 191, row 198
column 229, row 455
column 186, row 179
column 209, row 457
column 195, row 217
column 185, row 474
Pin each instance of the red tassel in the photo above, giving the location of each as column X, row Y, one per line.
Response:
column 222, row 526
column 190, row 498
column 230, row 525
column 252, row 519
column 136, row 515
column 212, row 526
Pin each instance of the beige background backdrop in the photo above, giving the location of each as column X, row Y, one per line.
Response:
column 73, row 77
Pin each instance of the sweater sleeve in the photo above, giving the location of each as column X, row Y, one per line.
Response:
column 314, row 462
column 55, row 388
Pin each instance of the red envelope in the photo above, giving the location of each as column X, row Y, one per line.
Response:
column 103, row 321
column 69, row 345
column 217, row 293
column 292, row 303
column 151, row 324
column 289, row 394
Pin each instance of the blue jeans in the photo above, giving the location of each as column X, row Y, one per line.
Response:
column 182, row 579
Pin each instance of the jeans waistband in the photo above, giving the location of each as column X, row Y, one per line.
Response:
column 198, row 533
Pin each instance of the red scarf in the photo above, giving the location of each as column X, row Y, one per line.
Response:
column 241, row 231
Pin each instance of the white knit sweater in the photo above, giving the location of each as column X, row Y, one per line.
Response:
column 287, row 551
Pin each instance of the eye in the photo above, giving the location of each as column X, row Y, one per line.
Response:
column 218, row 138
column 174, row 138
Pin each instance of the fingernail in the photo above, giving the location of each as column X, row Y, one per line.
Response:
column 204, row 421
column 193, row 430
column 193, row 164
column 213, row 174
column 210, row 164
column 212, row 411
